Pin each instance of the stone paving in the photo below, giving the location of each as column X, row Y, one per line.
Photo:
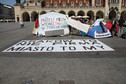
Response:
column 52, row 68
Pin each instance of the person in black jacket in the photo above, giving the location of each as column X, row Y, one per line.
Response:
column 120, row 30
column 114, row 29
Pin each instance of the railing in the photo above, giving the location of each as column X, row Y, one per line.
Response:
column 59, row 7
column 114, row 4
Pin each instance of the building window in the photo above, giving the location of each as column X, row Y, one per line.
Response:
column 64, row 3
column 122, row 2
column 72, row 3
column 98, row 2
column 55, row 3
column 113, row 1
column 47, row 4
column 80, row 3
column 86, row 3
column 35, row 3
column 27, row 4
column 31, row 1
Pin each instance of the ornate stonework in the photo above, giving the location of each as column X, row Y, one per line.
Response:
column 30, row 9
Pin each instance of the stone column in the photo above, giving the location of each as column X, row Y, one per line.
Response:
column 106, row 8
column 68, row 1
column 76, row 1
column 51, row 3
column 60, row 2
column 119, row 12
column 95, row 16
column 85, row 13
column 30, row 18
column 17, row 10
column 93, row 3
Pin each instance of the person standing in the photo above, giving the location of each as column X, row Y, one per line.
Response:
column 36, row 23
column 21, row 24
column 120, row 30
column 113, row 29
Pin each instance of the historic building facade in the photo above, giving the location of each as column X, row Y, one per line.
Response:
column 30, row 9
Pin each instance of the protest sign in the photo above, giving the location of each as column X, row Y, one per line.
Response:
column 81, row 45
column 52, row 21
column 78, row 25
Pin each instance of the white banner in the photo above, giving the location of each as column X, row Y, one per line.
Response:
column 52, row 21
column 101, row 34
column 78, row 25
column 59, row 46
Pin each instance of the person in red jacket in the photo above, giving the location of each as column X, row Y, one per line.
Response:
column 36, row 23
column 35, row 28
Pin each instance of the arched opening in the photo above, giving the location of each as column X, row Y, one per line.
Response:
column 25, row 16
column 43, row 4
column 81, row 13
column 123, row 14
column 91, row 15
column 71, row 13
column 62, row 12
column 42, row 12
column 34, row 15
column 99, row 14
column 17, row 19
column 112, row 14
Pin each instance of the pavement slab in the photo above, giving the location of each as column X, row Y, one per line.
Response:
column 59, row 67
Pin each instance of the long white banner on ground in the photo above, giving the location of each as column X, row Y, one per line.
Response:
column 80, row 45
